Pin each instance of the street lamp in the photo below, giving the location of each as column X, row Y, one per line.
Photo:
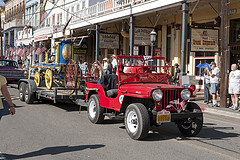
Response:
column 2, row 4
column 153, row 37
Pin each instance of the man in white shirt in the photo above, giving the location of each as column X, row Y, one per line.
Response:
column 214, row 82
column 114, row 64
column 234, row 86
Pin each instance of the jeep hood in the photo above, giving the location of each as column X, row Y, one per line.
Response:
column 146, row 88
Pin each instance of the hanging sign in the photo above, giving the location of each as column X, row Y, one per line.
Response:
column 142, row 36
column 109, row 41
column 204, row 40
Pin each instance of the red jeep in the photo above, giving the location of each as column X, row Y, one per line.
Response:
column 140, row 92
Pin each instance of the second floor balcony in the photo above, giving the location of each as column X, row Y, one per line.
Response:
column 109, row 10
column 14, row 23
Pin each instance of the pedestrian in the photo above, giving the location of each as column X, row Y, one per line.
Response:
column 114, row 64
column 109, row 67
column 176, row 75
column 169, row 75
column 234, row 86
column 105, row 65
column 6, row 95
column 207, row 96
column 214, row 82
column 20, row 62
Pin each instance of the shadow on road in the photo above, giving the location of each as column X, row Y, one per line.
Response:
column 6, row 107
column 208, row 132
column 53, row 151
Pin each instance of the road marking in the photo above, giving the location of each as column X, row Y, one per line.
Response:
column 2, row 157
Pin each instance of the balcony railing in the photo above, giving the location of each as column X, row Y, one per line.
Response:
column 14, row 23
column 103, row 8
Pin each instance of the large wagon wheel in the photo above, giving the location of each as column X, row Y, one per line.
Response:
column 71, row 74
column 49, row 78
column 37, row 79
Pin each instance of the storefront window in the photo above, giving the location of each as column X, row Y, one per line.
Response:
column 235, row 31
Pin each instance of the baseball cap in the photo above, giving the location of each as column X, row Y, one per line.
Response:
column 213, row 63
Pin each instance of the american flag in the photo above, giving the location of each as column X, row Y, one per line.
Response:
column 41, row 49
column 44, row 14
column 24, row 50
column 19, row 50
column 30, row 49
column 7, row 50
column 12, row 50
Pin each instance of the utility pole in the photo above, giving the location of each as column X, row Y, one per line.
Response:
column 185, row 10
column 224, row 53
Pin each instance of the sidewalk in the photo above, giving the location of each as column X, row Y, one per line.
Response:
column 215, row 110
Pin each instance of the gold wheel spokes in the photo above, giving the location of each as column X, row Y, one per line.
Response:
column 48, row 78
column 37, row 79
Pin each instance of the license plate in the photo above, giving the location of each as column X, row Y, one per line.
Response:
column 163, row 116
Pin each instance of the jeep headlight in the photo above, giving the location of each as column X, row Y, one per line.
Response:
column 185, row 94
column 157, row 95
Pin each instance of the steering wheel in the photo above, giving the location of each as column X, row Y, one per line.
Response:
column 150, row 71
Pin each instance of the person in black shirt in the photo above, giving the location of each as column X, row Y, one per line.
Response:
column 176, row 75
column 20, row 62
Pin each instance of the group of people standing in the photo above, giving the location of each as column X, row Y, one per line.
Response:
column 211, row 85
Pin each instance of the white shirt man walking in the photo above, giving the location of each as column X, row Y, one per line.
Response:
column 214, row 82
column 234, row 86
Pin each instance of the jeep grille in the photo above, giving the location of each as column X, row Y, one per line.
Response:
column 170, row 95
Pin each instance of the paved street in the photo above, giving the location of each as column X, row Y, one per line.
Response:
column 58, row 132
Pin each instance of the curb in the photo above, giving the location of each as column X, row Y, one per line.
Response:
column 220, row 112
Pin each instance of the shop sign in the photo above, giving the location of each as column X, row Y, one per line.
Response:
column 41, row 38
column 135, row 50
column 157, row 52
column 204, row 40
column 81, row 50
column 142, row 36
column 109, row 41
column 58, row 28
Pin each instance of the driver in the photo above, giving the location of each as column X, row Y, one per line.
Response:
column 140, row 67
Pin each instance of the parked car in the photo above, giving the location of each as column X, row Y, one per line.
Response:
column 11, row 70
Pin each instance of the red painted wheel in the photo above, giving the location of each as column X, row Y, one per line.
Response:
column 71, row 74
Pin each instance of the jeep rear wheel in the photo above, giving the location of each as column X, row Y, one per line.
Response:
column 191, row 126
column 137, row 121
column 95, row 111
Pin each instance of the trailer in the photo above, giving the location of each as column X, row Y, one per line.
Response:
column 30, row 93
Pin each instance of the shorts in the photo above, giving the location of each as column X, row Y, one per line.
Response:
column 1, row 113
column 234, row 88
column 214, row 87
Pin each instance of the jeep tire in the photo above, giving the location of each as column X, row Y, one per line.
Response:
column 137, row 122
column 22, row 87
column 95, row 111
column 192, row 126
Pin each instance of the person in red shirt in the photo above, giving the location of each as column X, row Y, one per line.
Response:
column 139, row 69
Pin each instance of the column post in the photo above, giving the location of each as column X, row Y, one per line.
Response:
column 97, row 42
column 185, row 10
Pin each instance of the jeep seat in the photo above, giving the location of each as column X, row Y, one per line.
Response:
column 112, row 93
column 110, row 85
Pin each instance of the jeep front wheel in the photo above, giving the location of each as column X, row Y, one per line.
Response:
column 191, row 126
column 137, row 121
column 95, row 111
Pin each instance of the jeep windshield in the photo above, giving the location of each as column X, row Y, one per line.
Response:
column 142, row 69
column 142, row 64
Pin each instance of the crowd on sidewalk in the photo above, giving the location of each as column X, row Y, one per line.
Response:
column 211, row 85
